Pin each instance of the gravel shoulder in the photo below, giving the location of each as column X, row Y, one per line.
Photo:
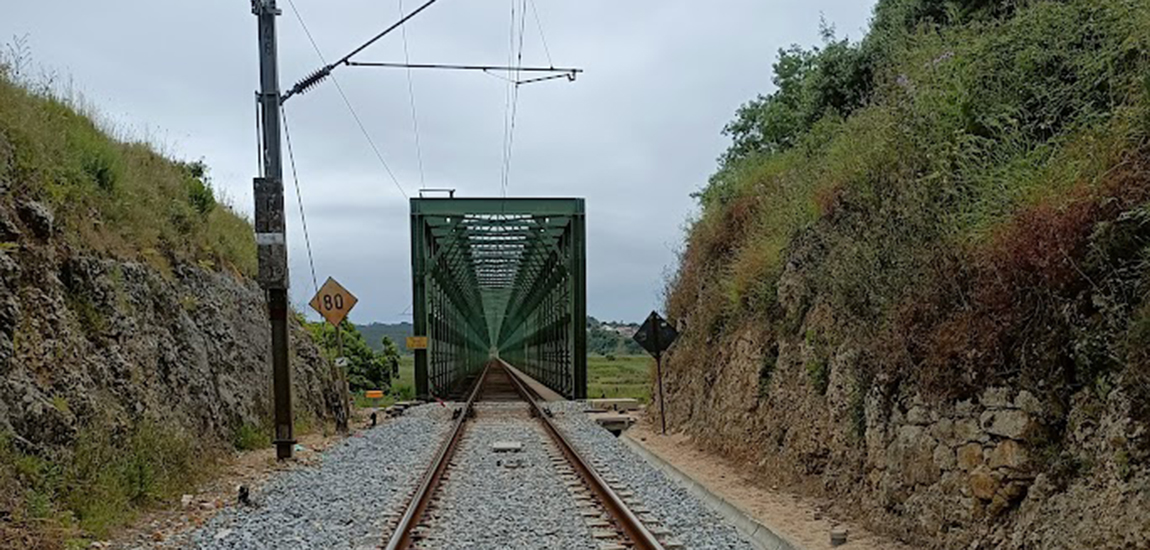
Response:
column 340, row 501
column 687, row 519
column 802, row 520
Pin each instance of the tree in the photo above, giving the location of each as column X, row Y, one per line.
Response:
column 366, row 369
column 390, row 356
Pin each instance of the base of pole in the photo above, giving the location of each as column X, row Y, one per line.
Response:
column 284, row 448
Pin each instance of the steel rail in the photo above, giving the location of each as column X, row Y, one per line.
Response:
column 401, row 538
column 632, row 527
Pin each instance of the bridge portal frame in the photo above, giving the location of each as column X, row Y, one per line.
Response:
column 500, row 277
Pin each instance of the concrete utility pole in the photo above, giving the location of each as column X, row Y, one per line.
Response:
column 271, row 238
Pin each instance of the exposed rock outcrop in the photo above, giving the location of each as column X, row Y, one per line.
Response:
column 986, row 472
column 87, row 339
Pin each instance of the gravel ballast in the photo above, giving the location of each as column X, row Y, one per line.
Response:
column 506, row 500
column 688, row 520
column 340, row 503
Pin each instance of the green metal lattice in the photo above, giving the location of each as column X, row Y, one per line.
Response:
column 499, row 278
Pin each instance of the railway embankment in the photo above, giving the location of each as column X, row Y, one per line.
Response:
column 917, row 285
column 134, row 347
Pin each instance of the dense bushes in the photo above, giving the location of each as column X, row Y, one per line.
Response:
column 367, row 369
column 963, row 189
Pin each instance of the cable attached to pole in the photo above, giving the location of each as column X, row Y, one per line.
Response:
column 299, row 200
column 322, row 74
column 319, row 75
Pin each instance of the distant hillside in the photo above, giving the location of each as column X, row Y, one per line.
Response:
column 375, row 332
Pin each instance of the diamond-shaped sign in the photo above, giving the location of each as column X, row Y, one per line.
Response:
column 656, row 334
column 333, row 302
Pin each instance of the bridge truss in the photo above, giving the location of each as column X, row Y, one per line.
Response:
column 502, row 278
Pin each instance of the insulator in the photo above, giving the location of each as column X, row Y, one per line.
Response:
column 311, row 81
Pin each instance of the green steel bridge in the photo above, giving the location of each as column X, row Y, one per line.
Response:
column 499, row 278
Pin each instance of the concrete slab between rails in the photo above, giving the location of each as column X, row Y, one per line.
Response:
column 545, row 393
column 760, row 536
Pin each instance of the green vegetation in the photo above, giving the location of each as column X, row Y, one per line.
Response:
column 970, row 176
column 101, row 483
column 626, row 376
column 604, row 338
column 117, row 197
column 374, row 333
column 402, row 387
column 249, row 437
column 366, row 369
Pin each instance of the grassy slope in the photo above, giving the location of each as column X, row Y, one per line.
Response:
column 112, row 197
column 989, row 192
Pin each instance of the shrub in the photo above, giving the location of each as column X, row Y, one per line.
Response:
column 249, row 437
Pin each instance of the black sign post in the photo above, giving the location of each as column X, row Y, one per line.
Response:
column 656, row 335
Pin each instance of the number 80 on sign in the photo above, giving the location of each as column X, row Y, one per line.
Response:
column 333, row 302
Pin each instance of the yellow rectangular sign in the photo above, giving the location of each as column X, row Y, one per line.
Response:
column 374, row 394
column 416, row 342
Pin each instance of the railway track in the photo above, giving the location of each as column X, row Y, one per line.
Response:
column 611, row 522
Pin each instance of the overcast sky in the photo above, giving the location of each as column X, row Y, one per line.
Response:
column 634, row 135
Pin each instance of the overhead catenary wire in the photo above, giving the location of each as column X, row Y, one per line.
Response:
column 411, row 98
column 513, row 103
column 542, row 37
column 346, row 101
column 318, row 76
column 507, row 100
column 299, row 200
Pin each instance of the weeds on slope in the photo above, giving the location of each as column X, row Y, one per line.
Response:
column 110, row 196
column 975, row 217
column 101, row 483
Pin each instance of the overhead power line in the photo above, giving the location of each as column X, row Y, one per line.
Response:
column 542, row 37
column 346, row 101
column 510, row 132
column 514, row 67
column 411, row 97
column 299, row 201
column 318, row 76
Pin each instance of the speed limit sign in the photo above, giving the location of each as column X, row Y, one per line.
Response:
column 333, row 302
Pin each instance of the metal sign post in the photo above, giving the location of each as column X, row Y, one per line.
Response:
column 656, row 335
column 334, row 302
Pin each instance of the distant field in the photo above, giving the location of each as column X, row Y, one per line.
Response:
column 626, row 376
column 406, row 372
